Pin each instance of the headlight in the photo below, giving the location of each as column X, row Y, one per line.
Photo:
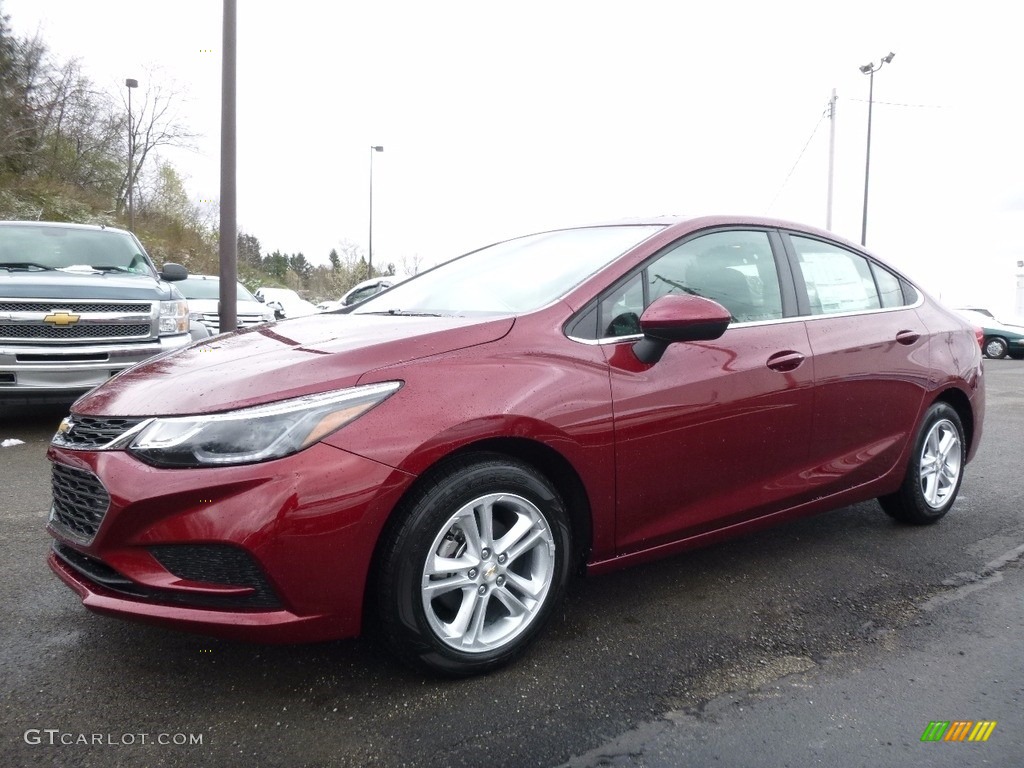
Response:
column 173, row 317
column 255, row 434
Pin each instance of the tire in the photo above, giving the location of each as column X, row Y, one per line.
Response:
column 995, row 347
column 473, row 566
column 935, row 470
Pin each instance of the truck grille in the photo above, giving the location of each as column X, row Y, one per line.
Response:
column 55, row 321
column 79, row 502
column 139, row 330
column 55, row 306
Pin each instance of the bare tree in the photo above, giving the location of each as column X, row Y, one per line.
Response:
column 411, row 264
column 156, row 122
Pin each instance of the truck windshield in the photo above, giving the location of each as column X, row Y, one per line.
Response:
column 88, row 250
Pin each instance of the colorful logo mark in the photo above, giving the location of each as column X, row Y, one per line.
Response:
column 958, row 730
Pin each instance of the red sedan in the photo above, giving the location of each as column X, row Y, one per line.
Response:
column 442, row 457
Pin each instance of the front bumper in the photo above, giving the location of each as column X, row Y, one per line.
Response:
column 270, row 552
column 27, row 370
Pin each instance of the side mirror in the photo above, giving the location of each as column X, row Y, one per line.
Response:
column 678, row 318
column 172, row 272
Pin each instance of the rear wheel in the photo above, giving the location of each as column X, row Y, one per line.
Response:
column 935, row 471
column 995, row 347
column 471, row 571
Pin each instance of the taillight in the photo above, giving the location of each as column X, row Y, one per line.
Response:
column 979, row 334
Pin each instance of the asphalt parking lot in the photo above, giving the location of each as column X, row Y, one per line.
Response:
column 829, row 641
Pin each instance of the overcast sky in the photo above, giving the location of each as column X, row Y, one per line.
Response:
column 500, row 119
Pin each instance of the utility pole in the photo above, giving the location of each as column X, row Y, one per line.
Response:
column 831, row 156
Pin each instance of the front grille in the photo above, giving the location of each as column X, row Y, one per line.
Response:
column 93, row 432
column 218, row 564
column 97, row 571
column 212, row 320
column 52, row 306
column 79, row 502
column 77, row 331
column 103, row 575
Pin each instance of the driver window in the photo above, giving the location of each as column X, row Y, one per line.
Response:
column 734, row 268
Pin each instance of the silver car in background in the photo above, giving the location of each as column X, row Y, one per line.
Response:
column 203, row 295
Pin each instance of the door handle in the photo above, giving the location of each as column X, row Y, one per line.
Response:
column 907, row 337
column 785, row 361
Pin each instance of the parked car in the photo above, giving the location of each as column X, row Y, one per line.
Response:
column 78, row 304
column 285, row 302
column 444, row 457
column 359, row 292
column 203, row 294
column 197, row 330
column 1000, row 338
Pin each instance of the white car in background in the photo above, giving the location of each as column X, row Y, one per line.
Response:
column 203, row 295
column 1001, row 337
column 285, row 302
column 359, row 292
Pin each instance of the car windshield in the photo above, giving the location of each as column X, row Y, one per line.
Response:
column 515, row 276
column 88, row 250
column 206, row 288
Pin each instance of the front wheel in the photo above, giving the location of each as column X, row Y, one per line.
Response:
column 935, row 471
column 472, row 569
column 995, row 348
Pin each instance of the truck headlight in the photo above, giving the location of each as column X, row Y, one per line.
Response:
column 173, row 317
column 260, row 433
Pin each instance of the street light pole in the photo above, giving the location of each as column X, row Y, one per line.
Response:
column 869, row 70
column 369, row 249
column 130, row 83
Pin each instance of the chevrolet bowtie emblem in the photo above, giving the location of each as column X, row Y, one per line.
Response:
column 61, row 318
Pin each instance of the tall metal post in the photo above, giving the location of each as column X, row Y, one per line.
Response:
column 228, row 210
column 867, row 161
column 130, row 84
column 869, row 70
column 369, row 247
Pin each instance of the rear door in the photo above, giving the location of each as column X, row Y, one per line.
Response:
column 870, row 360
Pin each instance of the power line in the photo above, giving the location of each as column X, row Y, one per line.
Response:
column 799, row 158
column 895, row 104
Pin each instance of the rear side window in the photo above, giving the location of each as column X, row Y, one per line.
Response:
column 837, row 280
column 889, row 289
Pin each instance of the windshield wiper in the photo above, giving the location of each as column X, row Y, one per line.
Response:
column 25, row 265
column 406, row 313
column 111, row 269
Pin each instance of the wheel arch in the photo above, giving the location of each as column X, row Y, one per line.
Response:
column 960, row 403
column 556, row 468
column 545, row 459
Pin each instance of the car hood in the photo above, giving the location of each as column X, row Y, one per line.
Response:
column 212, row 305
column 81, row 285
column 281, row 360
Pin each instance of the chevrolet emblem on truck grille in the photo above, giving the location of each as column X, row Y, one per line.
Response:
column 61, row 318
